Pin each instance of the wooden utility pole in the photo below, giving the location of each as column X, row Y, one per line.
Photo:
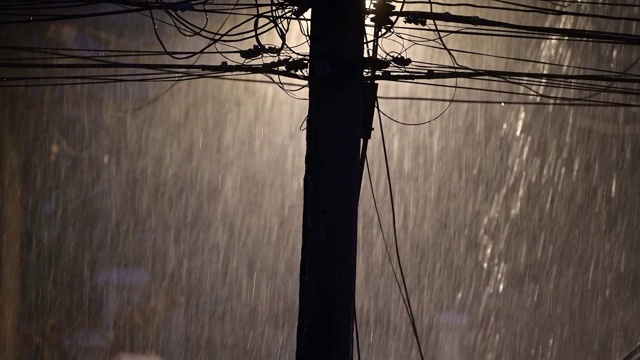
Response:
column 11, row 226
column 331, row 181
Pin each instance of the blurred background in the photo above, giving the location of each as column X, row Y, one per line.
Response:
column 163, row 218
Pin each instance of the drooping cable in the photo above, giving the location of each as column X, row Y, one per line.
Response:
column 395, row 237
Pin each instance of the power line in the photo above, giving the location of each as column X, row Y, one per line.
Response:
column 384, row 239
column 505, row 102
column 395, row 238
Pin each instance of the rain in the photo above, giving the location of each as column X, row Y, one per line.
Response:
column 162, row 219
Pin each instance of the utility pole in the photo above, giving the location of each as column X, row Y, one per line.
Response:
column 331, row 181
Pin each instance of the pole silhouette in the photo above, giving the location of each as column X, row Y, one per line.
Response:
column 331, row 181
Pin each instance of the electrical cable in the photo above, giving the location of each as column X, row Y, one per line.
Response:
column 355, row 322
column 395, row 236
